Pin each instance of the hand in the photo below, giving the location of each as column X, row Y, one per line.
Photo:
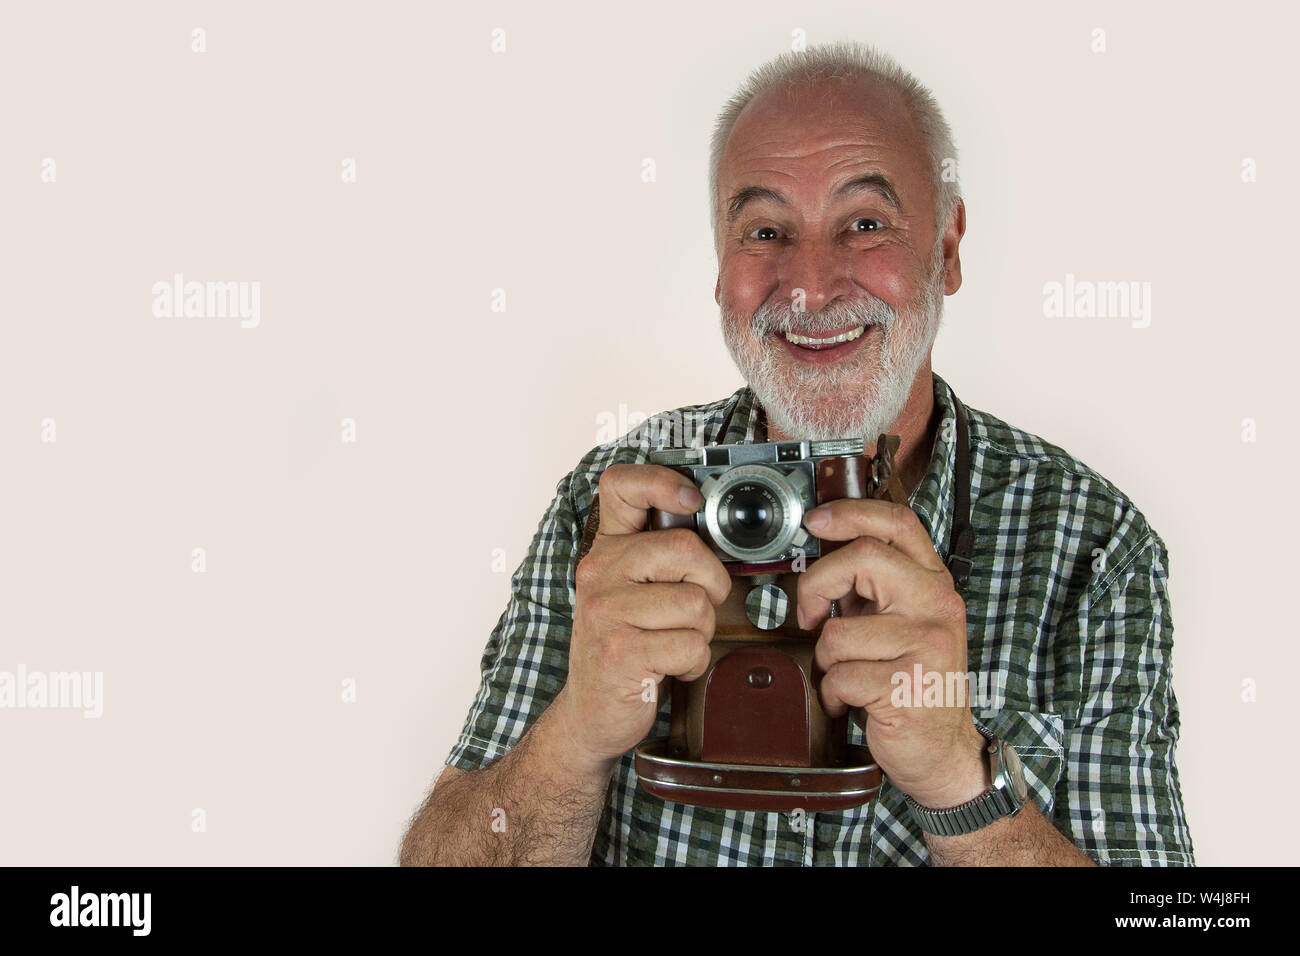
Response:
column 644, row 610
column 900, row 609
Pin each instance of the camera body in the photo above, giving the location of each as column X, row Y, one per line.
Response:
column 750, row 733
column 755, row 497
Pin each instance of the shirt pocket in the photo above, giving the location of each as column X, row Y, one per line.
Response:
column 1039, row 739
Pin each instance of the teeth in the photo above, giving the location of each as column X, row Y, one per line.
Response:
column 842, row 337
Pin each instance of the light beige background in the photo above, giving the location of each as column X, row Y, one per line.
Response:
column 522, row 171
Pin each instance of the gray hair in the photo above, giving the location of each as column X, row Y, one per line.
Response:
column 846, row 60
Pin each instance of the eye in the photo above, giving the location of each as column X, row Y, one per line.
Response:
column 871, row 224
column 757, row 233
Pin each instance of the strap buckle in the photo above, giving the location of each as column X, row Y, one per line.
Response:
column 960, row 567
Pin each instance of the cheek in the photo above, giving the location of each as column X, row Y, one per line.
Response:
column 889, row 275
column 746, row 283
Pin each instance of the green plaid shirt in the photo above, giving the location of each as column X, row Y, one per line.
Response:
column 1067, row 617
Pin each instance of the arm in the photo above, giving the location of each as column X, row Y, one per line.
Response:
column 643, row 610
column 1119, row 792
column 1026, row 839
column 538, row 805
column 1117, row 796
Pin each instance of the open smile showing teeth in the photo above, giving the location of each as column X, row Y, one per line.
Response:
column 808, row 341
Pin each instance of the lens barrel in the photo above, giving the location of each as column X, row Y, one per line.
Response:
column 752, row 512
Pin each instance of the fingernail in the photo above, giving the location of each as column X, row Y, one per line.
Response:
column 690, row 498
column 817, row 519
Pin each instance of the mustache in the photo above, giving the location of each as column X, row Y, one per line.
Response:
column 833, row 317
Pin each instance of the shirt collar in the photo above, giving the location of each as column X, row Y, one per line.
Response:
column 745, row 422
column 933, row 500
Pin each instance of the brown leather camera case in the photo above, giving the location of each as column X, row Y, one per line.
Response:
column 750, row 734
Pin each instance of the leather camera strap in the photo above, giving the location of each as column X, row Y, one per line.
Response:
column 961, row 536
column 589, row 529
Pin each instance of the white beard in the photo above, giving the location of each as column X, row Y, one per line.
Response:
column 859, row 397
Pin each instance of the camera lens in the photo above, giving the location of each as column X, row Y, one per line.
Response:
column 752, row 512
column 751, row 516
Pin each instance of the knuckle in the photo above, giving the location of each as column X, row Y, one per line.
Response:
column 697, row 602
column 952, row 606
column 682, row 542
column 612, row 476
column 693, row 645
column 948, row 580
column 832, row 682
column 803, row 591
column 926, row 641
column 722, row 582
column 865, row 547
column 667, row 479
column 588, row 572
column 831, row 640
column 705, row 616
column 902, row 519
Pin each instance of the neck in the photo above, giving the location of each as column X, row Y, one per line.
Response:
column 916, row 427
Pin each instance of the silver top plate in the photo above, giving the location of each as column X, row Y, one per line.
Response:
column 838, row 446
column 758, row 452
column 678, row 456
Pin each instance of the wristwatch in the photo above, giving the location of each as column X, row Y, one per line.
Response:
column 1004, row 799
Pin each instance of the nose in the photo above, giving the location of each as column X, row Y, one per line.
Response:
column 816, row 267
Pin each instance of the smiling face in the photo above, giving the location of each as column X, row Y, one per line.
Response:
column 832, row 271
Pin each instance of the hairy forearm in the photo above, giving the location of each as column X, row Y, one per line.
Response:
column 1027, row 839
column 538, row 805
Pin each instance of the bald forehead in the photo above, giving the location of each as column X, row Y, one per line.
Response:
column 834, row 118
column 789, row 138
column 866, row 99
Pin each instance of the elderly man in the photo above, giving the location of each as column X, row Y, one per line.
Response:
column 837, row 222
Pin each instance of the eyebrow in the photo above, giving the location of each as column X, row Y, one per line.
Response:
column 866, row 183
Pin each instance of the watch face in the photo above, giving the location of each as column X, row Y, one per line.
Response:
column 1015, row 771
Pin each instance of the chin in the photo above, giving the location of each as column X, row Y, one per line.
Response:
column 810, row 414
column 861, row 396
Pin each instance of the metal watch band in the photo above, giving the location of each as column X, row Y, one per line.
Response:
column 988, row 807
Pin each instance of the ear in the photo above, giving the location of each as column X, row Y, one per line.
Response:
column 717, row 290
column 951, row 240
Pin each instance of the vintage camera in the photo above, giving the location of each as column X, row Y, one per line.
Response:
column 755, row 497
column 750, row 733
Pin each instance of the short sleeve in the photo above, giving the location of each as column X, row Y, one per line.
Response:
column 526, row 661
column 1119, row 796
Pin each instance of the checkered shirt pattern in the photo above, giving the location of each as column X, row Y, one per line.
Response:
column 1068, row 630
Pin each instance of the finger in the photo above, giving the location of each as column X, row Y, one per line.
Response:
column 675, row 554
column 852, row 605
column 628, row 491
column 681, row 653
column 655, row 606
column 873, row 637
column 853, row 684
column 869, row 568
column 895, row 524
